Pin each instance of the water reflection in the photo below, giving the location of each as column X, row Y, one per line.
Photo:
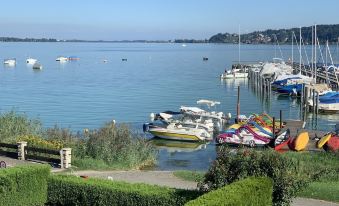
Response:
column 178, row 146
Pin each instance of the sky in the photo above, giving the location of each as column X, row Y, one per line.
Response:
column 157, row 19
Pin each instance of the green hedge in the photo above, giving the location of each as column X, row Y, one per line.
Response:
column 24, row 185
column 250, row 191
column 72, row 190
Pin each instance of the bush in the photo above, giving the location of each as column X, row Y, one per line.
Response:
column 251, row 191
column 24, row 185
column 115, row 145
column 71, row 190
column 13, row 125
column 230, row 167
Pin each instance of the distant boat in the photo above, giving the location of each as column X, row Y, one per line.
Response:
column 31, row 61
column 73, row 58
column 205, row 58
column 37, row 66
column 61, row 59
column 183, row 45
column 124, row 59
column 105, row 60
column 10, row 62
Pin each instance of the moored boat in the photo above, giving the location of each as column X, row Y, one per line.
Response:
column 31, row 61
column 175, row 131
column 61, row 59
column 10, row 62
column 37, row 66
column 244, row 135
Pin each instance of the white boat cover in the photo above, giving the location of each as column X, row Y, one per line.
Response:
column 165, row 115
column 191, row 109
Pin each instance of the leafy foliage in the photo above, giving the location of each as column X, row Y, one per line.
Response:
column 24, row 185
column 230, row 167
column 13, row 125
column 250, row 191
column 324, row 32
column 71, row 190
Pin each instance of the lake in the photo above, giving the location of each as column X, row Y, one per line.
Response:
column 156, row 77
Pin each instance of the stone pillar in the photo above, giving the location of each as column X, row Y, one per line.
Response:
column 21, row 150
column 65, row 157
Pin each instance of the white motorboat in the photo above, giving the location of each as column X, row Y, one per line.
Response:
column 199, row 115
column 176, row 131
column 169, row 117
column 31, row 61
column 10, row 62
column 61, row 59
column 328, row 102
column 234, row 74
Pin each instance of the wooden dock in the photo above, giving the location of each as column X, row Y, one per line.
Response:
column 297, row 126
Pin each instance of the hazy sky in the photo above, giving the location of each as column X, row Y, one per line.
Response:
column 157, row 19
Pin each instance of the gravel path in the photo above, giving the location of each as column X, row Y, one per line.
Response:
column 162, row 178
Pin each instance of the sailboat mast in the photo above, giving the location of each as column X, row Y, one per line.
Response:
column 300, row 49
column 239, row 44
column 312, row 67
column 292, row 50
column 315, row 52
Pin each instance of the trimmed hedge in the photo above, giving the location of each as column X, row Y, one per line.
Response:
column 250, row 191
column 72, row 190
column 24, row 185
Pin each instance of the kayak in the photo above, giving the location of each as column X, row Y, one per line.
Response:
column 333, row 143
column 282, row 140
column 300, row 142
column 323, row 140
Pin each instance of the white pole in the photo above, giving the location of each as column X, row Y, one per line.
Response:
column 292, row 49
column 239, row 44
column 312, row 67
column 300, row 49
column 315, row 53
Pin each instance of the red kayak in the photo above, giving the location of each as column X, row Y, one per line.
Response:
column 333, row 143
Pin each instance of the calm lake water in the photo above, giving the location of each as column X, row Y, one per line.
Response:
column 156, row 77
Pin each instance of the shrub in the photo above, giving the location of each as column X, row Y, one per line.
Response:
column 13, row 125
column 250, row 191
column 36, row 141
column 116, row 146
column 230, row 167
column 24, row 185
column 72, row 190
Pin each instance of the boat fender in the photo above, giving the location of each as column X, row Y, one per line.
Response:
column 152, row 117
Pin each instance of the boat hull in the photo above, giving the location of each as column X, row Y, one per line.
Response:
column 333, row 143
column 234, row 76
column 175, row 136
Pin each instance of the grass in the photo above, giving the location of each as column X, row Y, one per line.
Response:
column 194, row 176
column 328, row 191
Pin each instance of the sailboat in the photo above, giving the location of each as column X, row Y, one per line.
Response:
column 237, row 71
column 292, row 84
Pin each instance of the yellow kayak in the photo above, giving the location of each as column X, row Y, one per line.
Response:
column 300, row 143
column 234, row 126
column 323, row 140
